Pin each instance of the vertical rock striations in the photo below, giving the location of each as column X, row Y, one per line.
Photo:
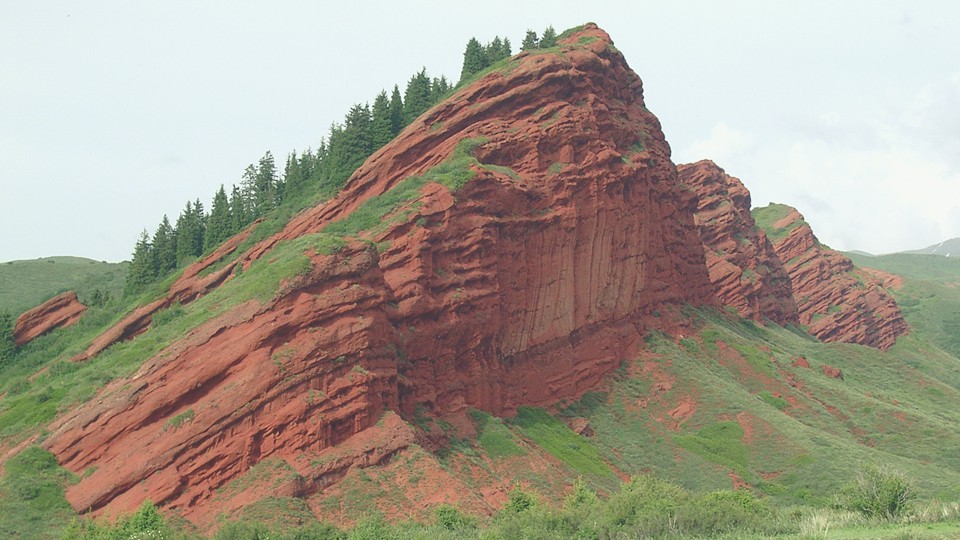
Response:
column 524, row 229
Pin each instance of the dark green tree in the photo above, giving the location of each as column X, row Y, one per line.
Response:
column 191, row 228
column 140, row 273
column 474, row 59
column 396, row 111
column 239, row 216
column 494, row 50
column 164, row 250
column 381, row 126
column 438, row 89
column 7, row 346
column 266, row 185
column 507, row 49
column 530, row 41
column 416, row 99
column 549, row 38
column 350, row 144
column 219, row 223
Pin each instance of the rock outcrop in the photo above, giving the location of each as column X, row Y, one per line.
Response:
column 744, row 268
column 835, row 301
column 525, row 231
column 60, row 311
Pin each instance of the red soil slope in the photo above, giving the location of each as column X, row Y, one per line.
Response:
column 526, row 286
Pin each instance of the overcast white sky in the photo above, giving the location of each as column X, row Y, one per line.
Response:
column 113, row 113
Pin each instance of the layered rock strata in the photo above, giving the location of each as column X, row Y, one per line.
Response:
column 835, row 301
column 744, row 268
column 58, row 312
column 525, row 285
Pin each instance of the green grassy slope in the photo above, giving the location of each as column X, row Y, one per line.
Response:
column 25, row 284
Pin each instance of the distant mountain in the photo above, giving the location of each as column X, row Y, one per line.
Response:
column 25, row 284
column 947, row 248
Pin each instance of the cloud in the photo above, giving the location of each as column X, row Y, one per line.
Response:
column 881, row 183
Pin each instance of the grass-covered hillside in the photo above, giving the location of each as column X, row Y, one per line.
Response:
column 25, row 284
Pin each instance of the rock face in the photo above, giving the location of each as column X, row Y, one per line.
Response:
column 744, row 268
column 524, row 286
column 835, row 301
column 60, row 311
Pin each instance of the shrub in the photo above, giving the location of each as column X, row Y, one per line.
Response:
column 878, row 492
column 520, row 501
column 451, row 518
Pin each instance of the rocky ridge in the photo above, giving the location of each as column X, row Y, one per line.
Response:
column 509, row 248
column 835, row 301
column 744, row 268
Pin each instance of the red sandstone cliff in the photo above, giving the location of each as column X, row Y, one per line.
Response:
column 835, row 301
column 60, row 311
column 526, row 286
column 744, row 268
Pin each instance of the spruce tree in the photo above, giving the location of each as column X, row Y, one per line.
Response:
column 219, row 223
column 238, row 211
column 507, row 49
column 495, row 51
column 381, row 127
column 140, row 273
column 530, row 41
column 7, row 346
column 549, row 38
column 416, row 100
column 474, row 59
column 438, row 89
column 265, row 184
column 396, row 111
column 164, row 250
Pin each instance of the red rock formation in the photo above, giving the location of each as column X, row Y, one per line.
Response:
column 744, row 269
column 837, row 303
column 526, row 286
column 60, row 311
column 801, row 362
column 832, row 372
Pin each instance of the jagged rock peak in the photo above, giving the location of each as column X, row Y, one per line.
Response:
column 744, row 269
column 836, row 301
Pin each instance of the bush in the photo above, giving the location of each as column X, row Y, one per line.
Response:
column 878, row 492
column 452, row 519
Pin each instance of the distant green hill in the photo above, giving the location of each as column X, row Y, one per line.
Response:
column 947, row 248
column 25, row 284
column 930, row 295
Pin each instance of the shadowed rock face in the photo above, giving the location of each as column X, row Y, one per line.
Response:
column 835, row 301
column 744, row 268
column 58, row 312
column 526, row 286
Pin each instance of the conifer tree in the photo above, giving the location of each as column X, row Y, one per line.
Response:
column 190, row 230
column 140, row 273
column 164, row 248
column 381, row 126
column 396, row 111
column 474, row 59
column 494, row 50
column 265, row 184
column 416, row 99
column 238, row 211
column 438, row 89
column 507, row 49
column 549, row 38
column 219, row 221
column 530, row 41
column 7, row 346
